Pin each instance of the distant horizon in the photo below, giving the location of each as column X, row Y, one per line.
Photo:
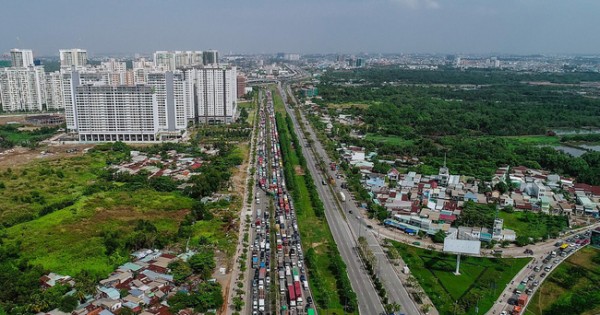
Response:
column 222, row 53
column 518, row 27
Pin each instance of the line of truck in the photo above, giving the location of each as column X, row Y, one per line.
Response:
column 294, row 293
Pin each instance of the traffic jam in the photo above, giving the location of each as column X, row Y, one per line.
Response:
column 285, row 256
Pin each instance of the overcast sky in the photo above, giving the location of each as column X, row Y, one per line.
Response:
column 303, row 26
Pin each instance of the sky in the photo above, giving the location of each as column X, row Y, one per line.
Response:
column 303, row 26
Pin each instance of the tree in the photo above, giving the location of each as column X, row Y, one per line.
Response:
column 238, row 303
column 180, row 270
column 392, row 308
column 203, row 263
column 68, row 303
column 439, row 237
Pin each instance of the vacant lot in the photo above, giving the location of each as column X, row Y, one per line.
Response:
column 480, row 283
column 572, row 288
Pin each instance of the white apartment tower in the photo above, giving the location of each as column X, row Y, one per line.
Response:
column 116, row 113
column 21, row 58
column 172, row 60
column 23, row 89
column 99, row 110
column 54, row 91
column 73, row 57
column 216, row 94
column 175, row 101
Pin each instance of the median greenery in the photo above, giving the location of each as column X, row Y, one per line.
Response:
column 327, row 272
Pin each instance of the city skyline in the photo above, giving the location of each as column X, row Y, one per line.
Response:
column 333, row 26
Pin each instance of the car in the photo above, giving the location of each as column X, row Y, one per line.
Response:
column 309, row 299
column 536, row 283
column 503, row 313
column 543, row 274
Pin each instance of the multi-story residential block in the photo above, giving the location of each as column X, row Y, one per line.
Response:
column 21, row 58
column 175, row 101
column 23, row 88
column 216, row 94
column 210, row 57
column 86, row 114
column 241, row 86
column 141, row 68
column 54, row 91
column 73, row 58
column 172, row 60
column 116, row 113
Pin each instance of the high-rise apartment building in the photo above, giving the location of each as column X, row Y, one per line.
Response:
column 54, row 91
column 216, row 94
column 23, row 88
column 21, row 58
column 73, row 57
column 93, row 97
column 175, row 100
column 116, row 113
column 141, row 68
column 210, row 57
column 241, row 85
column 172, row 60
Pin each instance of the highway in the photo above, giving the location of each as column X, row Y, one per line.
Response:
column 394, row 287
column 277, row 257
column 345, row 230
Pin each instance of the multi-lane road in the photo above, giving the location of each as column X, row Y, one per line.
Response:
column 279, row 283
column 346, row 227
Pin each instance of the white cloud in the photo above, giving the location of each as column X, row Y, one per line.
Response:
column 418, row 4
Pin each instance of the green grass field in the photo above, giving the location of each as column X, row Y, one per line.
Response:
column 42, row 183
column 480, row 283
column 531, row 224
column 70, row 238
column 564, row 288
column 277, row 101
column 250, row 106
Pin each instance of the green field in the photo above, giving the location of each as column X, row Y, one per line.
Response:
column 480, row 283
column 48, row 208
column 10, row 135
column 251, row 108
column 572, row 288
column 69, row 240
column 533, row 225
column 277, row 102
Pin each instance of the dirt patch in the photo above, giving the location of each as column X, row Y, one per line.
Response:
column 299, row 171
column 18, row 156
column 12, row 119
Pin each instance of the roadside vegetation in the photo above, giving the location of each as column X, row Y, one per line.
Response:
column 75, row 216
column 572, row 288
column 479, row 284
column 328, row 278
